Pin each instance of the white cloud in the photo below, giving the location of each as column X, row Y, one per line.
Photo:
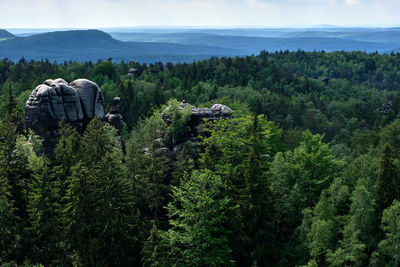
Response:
column 114, row 13
column 352, row 2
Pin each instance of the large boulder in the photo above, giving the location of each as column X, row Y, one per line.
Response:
column 55, row 100
column 91, row 98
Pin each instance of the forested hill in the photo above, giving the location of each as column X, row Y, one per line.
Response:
column 91, row 45
column 305, row 172
column 5, row 35
column 187, row 46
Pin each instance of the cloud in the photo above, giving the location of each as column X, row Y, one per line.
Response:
column 115, row 13
column 352, row 2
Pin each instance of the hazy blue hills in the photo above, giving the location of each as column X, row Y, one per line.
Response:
column 85, row 45
column 188, row 44
column 252, row 44
column 5, row 35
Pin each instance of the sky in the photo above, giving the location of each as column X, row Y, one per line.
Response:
column 202, row 13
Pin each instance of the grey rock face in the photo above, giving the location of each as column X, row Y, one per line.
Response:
column 54, row 100
column 114, row 117
column 217, row 111
column 47, row 105
column 91, row 98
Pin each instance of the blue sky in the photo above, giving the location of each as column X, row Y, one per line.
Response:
column 205, row 13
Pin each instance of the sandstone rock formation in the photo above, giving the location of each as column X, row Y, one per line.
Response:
column 114, row 117
column 197, row 116
column 216, row 112
column 77, row 103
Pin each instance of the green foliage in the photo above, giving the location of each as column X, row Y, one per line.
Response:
column 44, row 214
column 8, row 220
column 386, row 187
column 198, row 214
column 359, row 232
column 99, row 196
column 292, row 202
column 148, row 167
column 177, row 128
column 238, row 149
column 388, row 252
column 155, row 249
column 14, row 176
column 299, row 176
column 322, row 232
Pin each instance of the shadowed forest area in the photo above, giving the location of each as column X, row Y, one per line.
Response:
column 305, row 172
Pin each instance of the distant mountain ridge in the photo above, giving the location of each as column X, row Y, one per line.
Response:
column 85, row 45
column 6, row 34
column 189, row 44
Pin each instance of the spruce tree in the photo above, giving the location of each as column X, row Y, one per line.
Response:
column 198, row 215
column 115, row 215
column 255, row 203
column 44, row 213
column 99, row 203
column 8, row 221
column 14, row 175
column 388, row 252
column 387, row 180
column 155, row 249
column 148, row 166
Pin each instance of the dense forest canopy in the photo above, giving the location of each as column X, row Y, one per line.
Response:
column 304, row 173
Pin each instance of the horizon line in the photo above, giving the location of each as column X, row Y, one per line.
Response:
column 211, row 27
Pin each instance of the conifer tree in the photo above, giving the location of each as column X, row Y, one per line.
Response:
column 12, row 111
column 44, row 213
column 66, row 154
column 255, row 203
column 198, row 215
column 387, row 180
column 238, row 150
column 148, row 166
column 388, row 252
column 321, row 237
column 154, row 250
column 100, row 209
column 359, row 232
column 14, row 176
column 79, row 214
column 8, row 221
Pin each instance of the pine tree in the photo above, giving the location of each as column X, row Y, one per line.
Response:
column 12, row 111
column 114, row 212
column 255, row 203
column 14, row 176
column 154, row 250
column 44, row 212
column 238, row 150
column 148, row 167
column 67, row 153
column 387, row 180
column 79, row 214
column 388, row 252
column 321, row 237
column 198, row 215
column 100, row 209
column 8, row 221
column 359, row 233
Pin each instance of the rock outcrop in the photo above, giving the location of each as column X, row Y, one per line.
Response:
column 114, row 117
column 54, row 100
column 198, row 115
column 77, row 103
